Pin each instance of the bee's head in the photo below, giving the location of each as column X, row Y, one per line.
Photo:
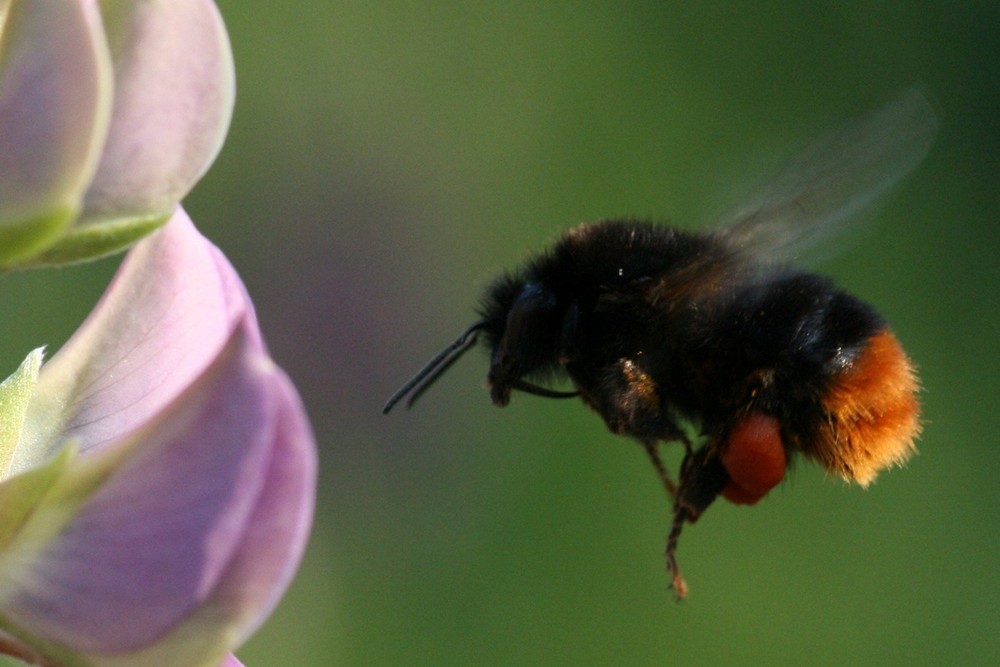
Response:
column 526, row 340
column 525, row 328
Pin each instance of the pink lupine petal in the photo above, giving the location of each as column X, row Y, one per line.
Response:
column 55, row 105
column 164, row 317
column 231, row 661
column 278, row 530
column 173, row 100
column 270, row 546
column 150, row 544
column 233, row 286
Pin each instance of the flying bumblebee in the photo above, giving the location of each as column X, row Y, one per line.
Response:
column 658, row 328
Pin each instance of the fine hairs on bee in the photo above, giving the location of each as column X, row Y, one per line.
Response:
column 664, row 332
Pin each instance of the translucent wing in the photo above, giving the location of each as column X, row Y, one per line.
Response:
column 826, row 186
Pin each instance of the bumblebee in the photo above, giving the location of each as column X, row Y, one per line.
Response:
column 666, row 333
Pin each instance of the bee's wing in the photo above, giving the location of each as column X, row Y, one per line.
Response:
column 826, row 186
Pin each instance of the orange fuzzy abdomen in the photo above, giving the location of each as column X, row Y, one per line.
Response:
column 873, row 415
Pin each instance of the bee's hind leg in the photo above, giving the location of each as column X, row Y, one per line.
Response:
column 652, row 449
column 676, row 580
column 702, row 479
column 671, row 434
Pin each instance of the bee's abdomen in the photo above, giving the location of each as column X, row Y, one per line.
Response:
column 873, row 415
column 831, row 371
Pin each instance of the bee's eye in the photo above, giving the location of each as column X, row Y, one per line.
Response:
column 530, row 319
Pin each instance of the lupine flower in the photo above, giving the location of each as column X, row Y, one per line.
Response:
column 109, row 113
column 158, row 473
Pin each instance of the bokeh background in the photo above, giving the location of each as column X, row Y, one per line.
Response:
column 387, row 159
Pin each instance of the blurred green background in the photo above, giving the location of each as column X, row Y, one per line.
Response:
column 387, row 159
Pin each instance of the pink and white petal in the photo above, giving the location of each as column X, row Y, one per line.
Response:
column 154, row 538
column 174, row 93
column 233, row 285
column 269, row 552
column 165, row 316
column 55, row 105
column 276, row 534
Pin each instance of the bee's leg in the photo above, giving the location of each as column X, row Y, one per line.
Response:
column 702, row 479
column 651, row 447
column 667, row 431
column 676, row 580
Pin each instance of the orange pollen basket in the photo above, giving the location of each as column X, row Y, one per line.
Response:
column 754, row 458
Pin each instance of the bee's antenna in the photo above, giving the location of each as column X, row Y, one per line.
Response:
column 426, row 376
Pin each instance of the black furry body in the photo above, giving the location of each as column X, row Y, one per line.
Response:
column 658, row 329
column 655, row 326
